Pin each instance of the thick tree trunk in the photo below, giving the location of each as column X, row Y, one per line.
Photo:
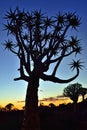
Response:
column 31, row 114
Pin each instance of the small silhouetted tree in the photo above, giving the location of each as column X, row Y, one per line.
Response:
column 73, row 91
column 23, row 107
column 51, row 105
column 9, row 106
column 40, row 41
column 83, row 92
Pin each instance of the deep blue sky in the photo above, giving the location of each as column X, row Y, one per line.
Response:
column 13, row 91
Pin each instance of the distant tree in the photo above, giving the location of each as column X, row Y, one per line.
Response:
column 83, row 92
column 40, row 41
column 41, row 104
column 9, row 106
column 72, row 91
column 62, row 106
column 23, row 107
column 51, row 105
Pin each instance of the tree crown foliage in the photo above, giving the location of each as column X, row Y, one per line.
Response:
column 39, row 41
column 73, row 91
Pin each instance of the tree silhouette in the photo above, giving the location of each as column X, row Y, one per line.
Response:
column 51, row 105
column 40, row 41
column 83, row 92
column 9, row 106
column 73, row 91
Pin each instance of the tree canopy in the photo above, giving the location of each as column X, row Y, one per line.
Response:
column 72, row 91
column 9, row 106
column 40, row 41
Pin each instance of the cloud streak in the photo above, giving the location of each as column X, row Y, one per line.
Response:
column 55, row 98
column 58, row 98
column 20, row 101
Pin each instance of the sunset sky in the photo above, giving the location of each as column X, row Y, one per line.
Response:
column 15, row 91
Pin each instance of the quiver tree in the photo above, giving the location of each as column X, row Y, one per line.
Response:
column 40, row 41
column 73, row 91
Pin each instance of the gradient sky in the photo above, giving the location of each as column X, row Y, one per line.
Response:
column 14, row 91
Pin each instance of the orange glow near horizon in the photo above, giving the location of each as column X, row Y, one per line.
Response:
column 56, row 102
column 21, row 104
column 45, row 103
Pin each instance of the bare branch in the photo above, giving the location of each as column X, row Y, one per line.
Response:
column 56, row 67
column 56, row 79
column 26, row 78
column 41, row 41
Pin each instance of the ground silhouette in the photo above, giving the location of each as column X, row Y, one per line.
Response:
column 52, row 118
